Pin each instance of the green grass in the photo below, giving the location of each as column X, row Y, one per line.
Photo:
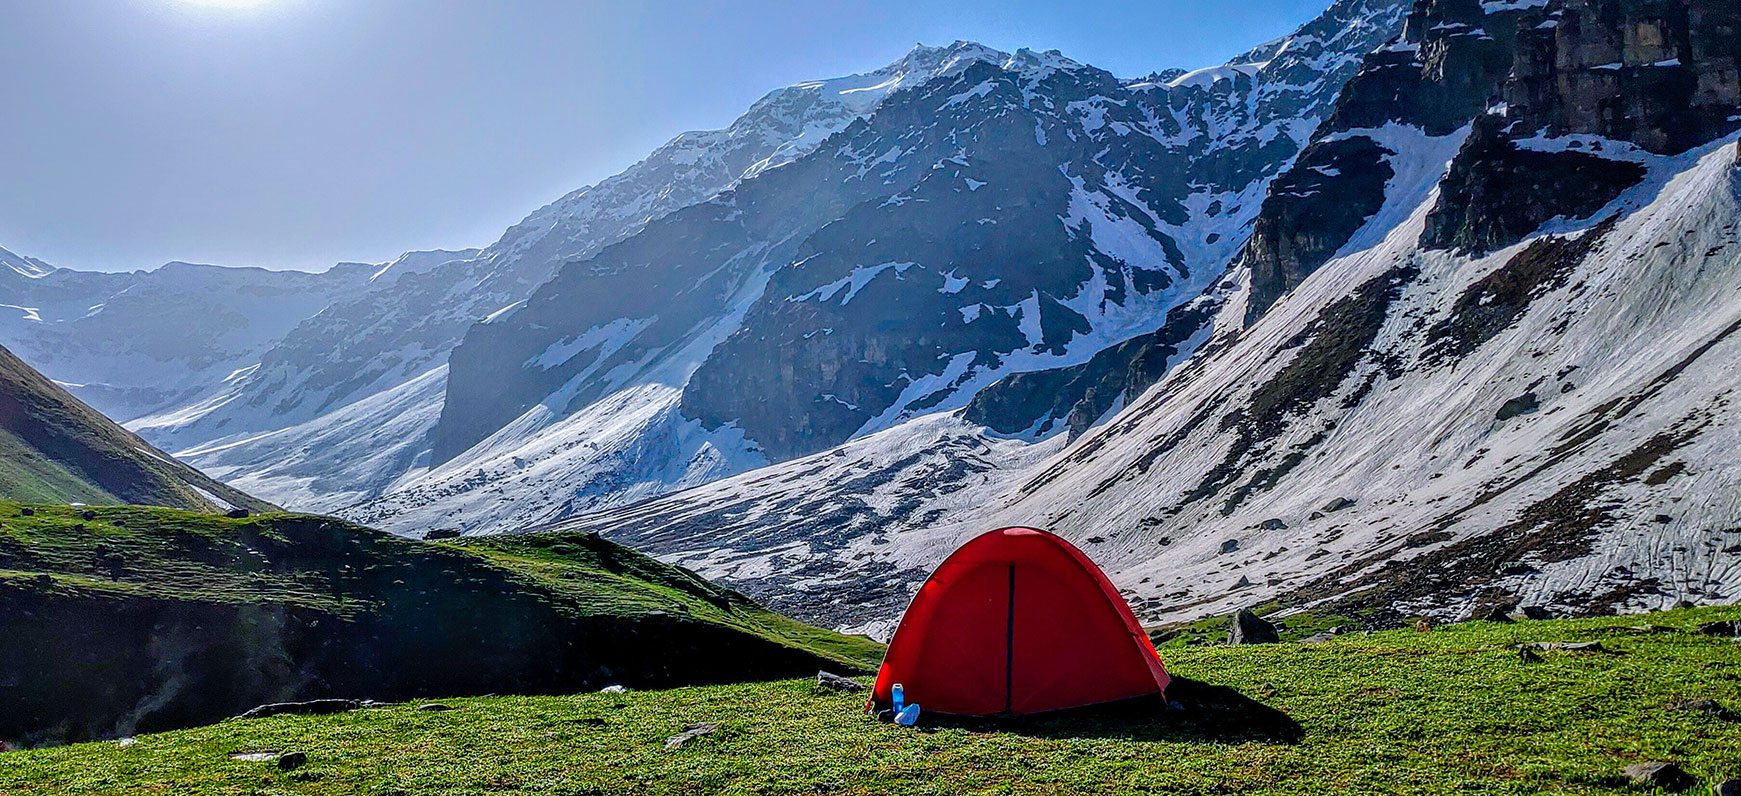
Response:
column 1449, row 711
column 333, row 566
column 54, row 448
column 143, row 618
column 26, row 474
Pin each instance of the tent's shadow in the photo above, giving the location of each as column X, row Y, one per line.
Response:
column 1205, row 713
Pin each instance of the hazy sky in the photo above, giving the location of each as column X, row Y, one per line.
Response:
column 299, row 133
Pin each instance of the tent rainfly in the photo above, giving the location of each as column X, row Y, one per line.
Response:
column 1018, row 621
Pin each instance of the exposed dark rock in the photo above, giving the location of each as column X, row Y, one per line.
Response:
column 1524, row 404
column 1496, row 194
column 88, row 514
column 1249, row 628
column 1311, row 211
column 1709, row 707
column 1229, row 546
column 1494, row 302
column 1667, row 776
column 27, row 512
column 1273, row 524
column 691, row 733
column 1534, row 612
column 1528, row 655
column 312, row 707
column 290, row 761
column 1732, row 628
column 1079, row 395
column 237, row 514
column 1661, row 75
column 1500, row 614
column 835, row 682
column 1663, row 519
column 1337, row 504
column 1728, row 788
column 442, row 533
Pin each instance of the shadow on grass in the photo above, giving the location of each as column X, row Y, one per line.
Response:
column 1206, row 714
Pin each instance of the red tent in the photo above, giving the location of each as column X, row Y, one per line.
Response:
column 1018, row 621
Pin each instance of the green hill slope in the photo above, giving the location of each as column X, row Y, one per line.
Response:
column 1451, row 711
column 54, row 448
column 152, row 618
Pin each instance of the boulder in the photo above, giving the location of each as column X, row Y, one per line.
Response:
column 1337, row 504
column 442, row 533
column 1249, row 628
column 87, row 514
column 1667, row 776
column 1535, row 612
column 1729, row 788
column 835, row 682
column 290, row 761
column 691, row 733
column 237, row 514
column 1273, row 524
column 312, row 707
column 1732, row 628
column 27, row 512
column 1230, row 546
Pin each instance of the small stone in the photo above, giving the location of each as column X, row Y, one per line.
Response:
column 1535, row 612
column 441, row 533
column 614, row 689
column 1337, row 505
column 1730, row 788
column 1244, row 583
column 1095, row 539
column 835, row 682
column 1498, row 613
column 290, row 761
column 1273, row 524
column 1709, row 707
column 1667, row 776
column 1664, row 519
column 27, row 512
column 87, row 514
column 1249, row 628
column 253, row 757
column 1318, row 638
column 1423, row 625
column 691, row 733
column 1316, row 515
column 1528, row 655
column 237, row 514
column 435, row 707
column 1230, row 545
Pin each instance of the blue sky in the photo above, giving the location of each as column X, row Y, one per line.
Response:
column 299, row 133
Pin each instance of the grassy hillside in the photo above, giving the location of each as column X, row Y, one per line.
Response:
column 1450, row 711
column 54, row 448
column 147, row 618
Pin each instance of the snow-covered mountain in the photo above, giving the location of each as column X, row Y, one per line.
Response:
column 1480, row 350
column 1021, row 212
column 386, row 345
column 132, row 343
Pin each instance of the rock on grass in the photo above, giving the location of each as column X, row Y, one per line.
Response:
column 1667, row 776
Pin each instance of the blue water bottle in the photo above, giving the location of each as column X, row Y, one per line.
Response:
column 900, row 696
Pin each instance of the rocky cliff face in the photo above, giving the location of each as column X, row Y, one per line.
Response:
column 1660, row 76
column 1507, row 379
